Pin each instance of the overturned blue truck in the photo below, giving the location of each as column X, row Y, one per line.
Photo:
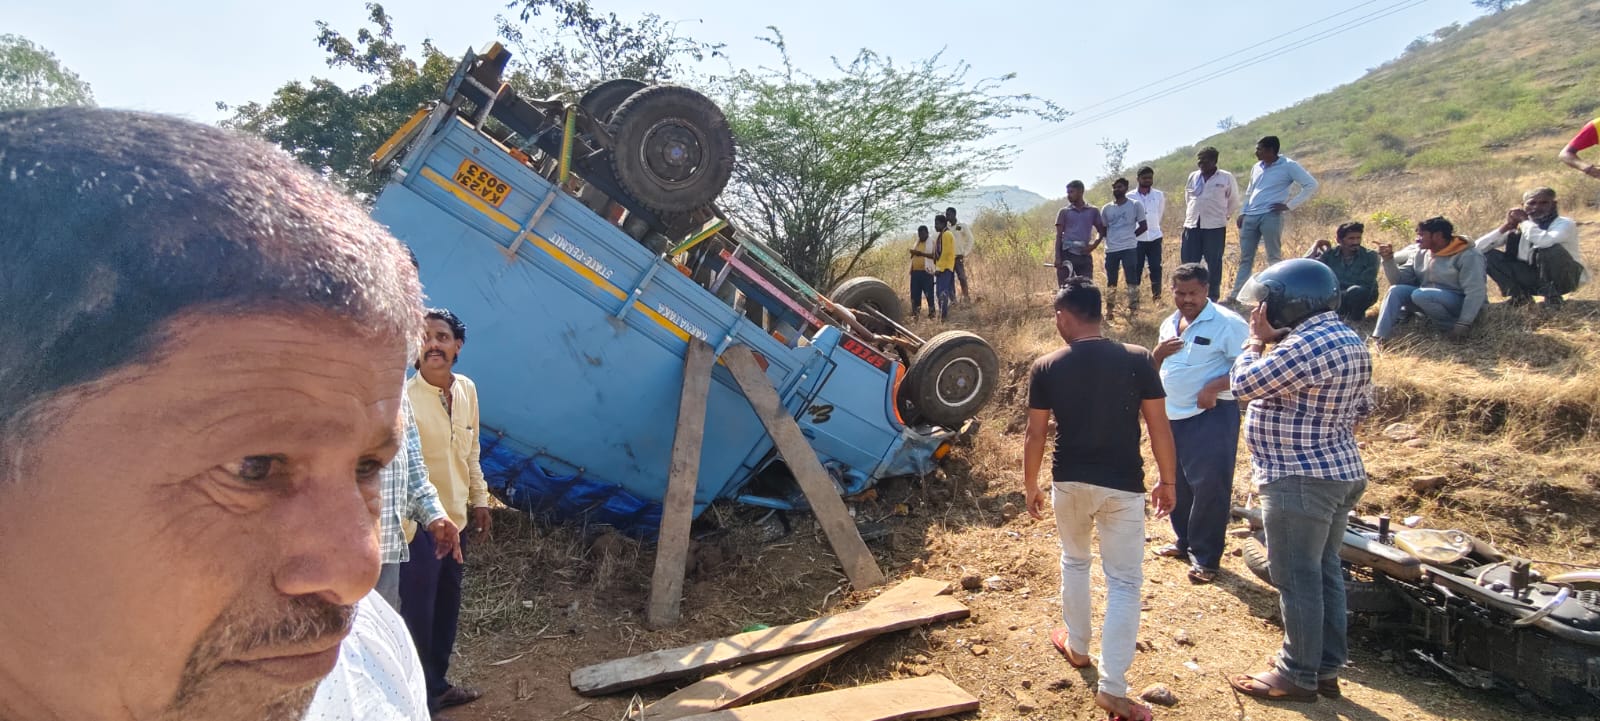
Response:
column 582, row 244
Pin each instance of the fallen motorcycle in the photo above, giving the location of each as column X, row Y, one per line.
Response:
column 1485, row 619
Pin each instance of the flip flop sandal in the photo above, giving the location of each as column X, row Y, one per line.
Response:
column 1170, row 550
column 1269, row 686
column 1202, row 575
column 1058, row 638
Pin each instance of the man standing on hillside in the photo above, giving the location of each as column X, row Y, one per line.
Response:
column 964, row 247
column 1196, row 347
column 1124, row 219
column 1535, row 252
column 1444, row 280
column 1210, row 196
column 446, row 408
column 1356, row 267
column 1155, row 203
column 1265, row 201
column 922, row 257
column 1079, row 230
column 1587, row 138
column 1099, row 391
column 944, row 265
column 1305, row 395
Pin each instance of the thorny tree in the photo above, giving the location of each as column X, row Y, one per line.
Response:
column 827, row 165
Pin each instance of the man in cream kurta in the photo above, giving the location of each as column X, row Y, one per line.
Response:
column 446, row 407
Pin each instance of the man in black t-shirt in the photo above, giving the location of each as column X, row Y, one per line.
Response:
column 1098, row 390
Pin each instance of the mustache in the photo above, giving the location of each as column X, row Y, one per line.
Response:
column 302, row 622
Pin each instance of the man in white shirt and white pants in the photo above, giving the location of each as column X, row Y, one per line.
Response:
column 1154, row 202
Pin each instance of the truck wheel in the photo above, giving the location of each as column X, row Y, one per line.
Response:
column 602, row 100
column 672, row 149
column 868, row 292
column 952, row 377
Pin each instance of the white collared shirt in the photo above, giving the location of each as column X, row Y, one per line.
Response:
column 1563, row 232
column 378, row 676
column 1154, row 203
column 1209, row 202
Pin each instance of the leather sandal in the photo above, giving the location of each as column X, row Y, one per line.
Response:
column 1271, row 686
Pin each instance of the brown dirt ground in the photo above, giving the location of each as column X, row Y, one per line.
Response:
column 544, row 599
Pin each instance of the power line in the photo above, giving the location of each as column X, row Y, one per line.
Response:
column 1029, row 137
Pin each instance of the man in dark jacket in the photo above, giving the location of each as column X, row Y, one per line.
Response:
column 1356, row 267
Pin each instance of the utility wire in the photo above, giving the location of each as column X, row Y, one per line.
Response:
column 1036, row 135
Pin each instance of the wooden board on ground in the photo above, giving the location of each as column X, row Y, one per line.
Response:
column 819, row 490
column 677, row 510
column 912, row 698
column 675, row 663
column 744, row 684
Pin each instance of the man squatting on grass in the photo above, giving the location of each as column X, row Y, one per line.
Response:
column 1124, row 220
column 204, row 384
column 1535, row 252
column 1197, row 345
column 1305, row 396
column 1444, row 280
column 1354, row 265
column 1098, row 390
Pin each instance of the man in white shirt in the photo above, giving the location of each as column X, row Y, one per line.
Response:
column 1535, row 252
column 964, row 248
column 378, row 676
column 1266, row 199
column 1210, row 196
column 1154, row 202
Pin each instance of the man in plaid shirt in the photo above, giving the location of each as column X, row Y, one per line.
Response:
column 406, row 493
column 1305, row 396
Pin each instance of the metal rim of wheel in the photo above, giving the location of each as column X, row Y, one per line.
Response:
column 673, row 151
column 968, row 376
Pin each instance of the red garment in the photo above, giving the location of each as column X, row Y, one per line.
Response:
column 1587, row 138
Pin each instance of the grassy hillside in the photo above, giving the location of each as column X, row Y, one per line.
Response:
column 1468, row 102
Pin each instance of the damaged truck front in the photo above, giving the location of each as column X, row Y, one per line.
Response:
column 581, row 244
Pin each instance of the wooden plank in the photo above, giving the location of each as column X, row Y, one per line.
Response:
column 836, row 522
column 747, row 683
column 677, row 510
column 931, row 696
column 715, row 655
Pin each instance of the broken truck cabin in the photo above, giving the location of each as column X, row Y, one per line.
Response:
column 582, row 245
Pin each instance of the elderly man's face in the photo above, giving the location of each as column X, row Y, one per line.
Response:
column 197, row 529
column 1540, row 207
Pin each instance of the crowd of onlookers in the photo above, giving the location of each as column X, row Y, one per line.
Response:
column 1296, row 365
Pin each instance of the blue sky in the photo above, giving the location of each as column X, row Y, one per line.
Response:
column 182, row 56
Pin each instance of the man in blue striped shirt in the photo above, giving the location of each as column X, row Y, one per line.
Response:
column 1266, row 199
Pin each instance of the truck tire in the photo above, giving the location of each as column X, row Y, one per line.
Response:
column 952, row 377
column 602, row 100
column 1255, row 559
column 672, row 149
column 868, row 292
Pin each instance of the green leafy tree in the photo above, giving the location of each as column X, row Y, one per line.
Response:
column 32, row 77
column 827, row 165
column 334, row 129
column 1495, row 6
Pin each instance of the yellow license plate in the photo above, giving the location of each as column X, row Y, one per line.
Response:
column 482, row 183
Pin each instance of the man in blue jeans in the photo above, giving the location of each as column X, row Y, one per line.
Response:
column 1305, row 395
column 1196, row 347
column 1444, row 280
column 1266, row 199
